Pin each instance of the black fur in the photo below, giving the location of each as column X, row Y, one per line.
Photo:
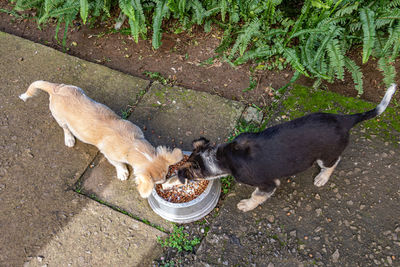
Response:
column 258, row 159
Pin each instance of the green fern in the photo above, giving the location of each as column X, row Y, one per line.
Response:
column 389, row 72
column 242, row 41
column 368, row 26
column 84, row 10
column 356, row 74
column 161, row 11
column 336, row 57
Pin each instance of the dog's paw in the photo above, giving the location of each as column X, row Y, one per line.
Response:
column 69, row 140
column 321, row 179
column 246, row 205
column 122, row 174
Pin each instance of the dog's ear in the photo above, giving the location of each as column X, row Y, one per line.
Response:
column 200, row 143
column 240, row 147
column 171, row 157
column 144, row 185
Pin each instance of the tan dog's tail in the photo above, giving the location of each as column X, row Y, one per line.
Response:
column 33, row 89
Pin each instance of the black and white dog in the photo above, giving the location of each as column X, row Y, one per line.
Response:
column 260, row 159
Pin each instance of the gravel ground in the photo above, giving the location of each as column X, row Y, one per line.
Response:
column 352, row 221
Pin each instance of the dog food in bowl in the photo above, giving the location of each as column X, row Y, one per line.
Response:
column 180, row 193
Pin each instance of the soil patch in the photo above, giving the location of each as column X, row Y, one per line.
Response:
column 184, row 59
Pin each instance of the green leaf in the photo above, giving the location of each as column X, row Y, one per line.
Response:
column 160, row 12
column 389, row 72
column 355, row 73
column 367, row 18
column 294, row 60
column 250, row 30
column 319, row 4
column 336, row 58
column 84, row 10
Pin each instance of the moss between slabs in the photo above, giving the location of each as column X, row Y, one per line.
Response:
column 304, row 100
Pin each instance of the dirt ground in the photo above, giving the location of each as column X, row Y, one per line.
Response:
column 181, row 59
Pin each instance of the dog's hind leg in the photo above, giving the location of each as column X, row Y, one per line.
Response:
column 325, row 173
column 69, row 138
column 258, row 197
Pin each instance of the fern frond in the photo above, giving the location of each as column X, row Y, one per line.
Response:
column 368, row 26
column 84, row 10
column 334, row 31
column 347, row 10
column 262, row 52
column 396, row 46
column 336, row 58
column 223, row 5
column 394, row 3
column 293, row 58
column 392, row 41
column 160, row 12
column 386, row 65
column 244, row 38
column 199, row 11
column 311, row 31
column 356, row 74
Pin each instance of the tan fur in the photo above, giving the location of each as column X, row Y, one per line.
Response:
column 119, row 140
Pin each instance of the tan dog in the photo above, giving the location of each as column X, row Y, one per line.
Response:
column 119, row 140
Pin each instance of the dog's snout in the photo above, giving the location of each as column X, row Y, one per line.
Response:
column 183, row 174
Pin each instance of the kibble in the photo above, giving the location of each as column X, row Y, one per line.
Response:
column 181, row 193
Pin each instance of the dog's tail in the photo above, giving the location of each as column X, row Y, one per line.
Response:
column 356, row 118
column 33, row 89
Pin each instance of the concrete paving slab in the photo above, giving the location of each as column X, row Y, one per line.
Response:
column 26, row 62
column 172, row 111
column 100, row 181
column 100, row 236
column 175, row 116
column 37, row 171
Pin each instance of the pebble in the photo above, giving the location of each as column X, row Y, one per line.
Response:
column 293, row 233
column 317, row 197
column 335, row 256
column 308, row 207
column 319, row 212
column 271, row 218
column 350, row 203
column 319, row 228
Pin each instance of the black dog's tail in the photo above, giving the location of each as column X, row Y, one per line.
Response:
column 356, row 118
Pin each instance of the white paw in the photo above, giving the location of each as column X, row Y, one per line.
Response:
column 122, row 174
column 321, row 179
column 69, row 140
column 246, row 205
column 24, row 97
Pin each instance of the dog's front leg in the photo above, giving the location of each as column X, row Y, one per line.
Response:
column 258, row 197
column 326, row 172
column 122, row 170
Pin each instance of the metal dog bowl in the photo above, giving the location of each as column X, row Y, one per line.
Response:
column 189, row 211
